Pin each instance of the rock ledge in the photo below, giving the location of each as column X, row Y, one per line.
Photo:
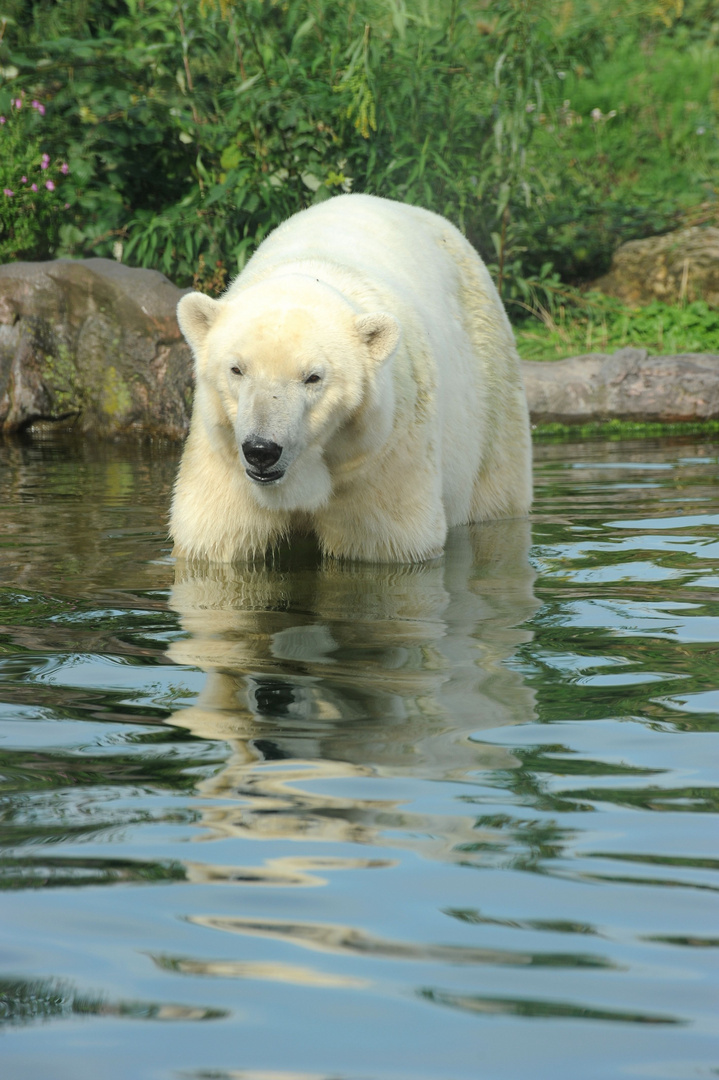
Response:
column 628, row 385
column 96, row 344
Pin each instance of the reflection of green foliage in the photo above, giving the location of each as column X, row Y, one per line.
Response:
column 523, row 843
column 37, row 770
column 475, row 1003
column 40, row 790
column 562, row 696
column 545, row 840
column 681, row 861
column 27, row 1001
column 552, row 926
column 22, row 1002
column 684, row 941
column 43, row 871
column 693, row 800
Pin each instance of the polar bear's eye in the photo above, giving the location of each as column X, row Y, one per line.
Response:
column 312, row 378
column 235, row 370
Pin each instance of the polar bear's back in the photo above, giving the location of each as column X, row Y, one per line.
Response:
column 410, row 251
column 362, row 231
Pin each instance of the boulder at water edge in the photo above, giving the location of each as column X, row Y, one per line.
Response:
column 94, row 343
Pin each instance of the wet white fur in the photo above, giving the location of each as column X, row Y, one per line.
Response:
column 418, row 421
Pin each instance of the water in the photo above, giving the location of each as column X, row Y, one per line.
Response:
column 323, row 823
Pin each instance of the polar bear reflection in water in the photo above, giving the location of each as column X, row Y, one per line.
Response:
column 322, row 670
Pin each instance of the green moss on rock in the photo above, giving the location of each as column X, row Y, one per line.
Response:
column 115, row 396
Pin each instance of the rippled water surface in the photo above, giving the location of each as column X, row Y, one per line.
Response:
column 314, row 822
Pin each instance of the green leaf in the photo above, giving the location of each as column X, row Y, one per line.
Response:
column 230, row 157
column 303, row 30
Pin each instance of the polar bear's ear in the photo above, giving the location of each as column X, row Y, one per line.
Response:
column 196, row 314
column 380, row 333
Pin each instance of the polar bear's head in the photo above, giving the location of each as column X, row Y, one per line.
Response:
column 281, row 367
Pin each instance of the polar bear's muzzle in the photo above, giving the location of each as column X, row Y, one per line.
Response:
column 260, row 456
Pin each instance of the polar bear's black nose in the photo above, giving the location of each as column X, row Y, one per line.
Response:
column 261, row 453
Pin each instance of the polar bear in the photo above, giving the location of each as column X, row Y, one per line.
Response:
column 359, row 380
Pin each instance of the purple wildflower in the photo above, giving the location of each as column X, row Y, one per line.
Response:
column 18, row 103
column 23, row 179
column 64, row 168
column 45, row 161
column 2, row 120
column 8, row 191
column 33, row 187
column 49, row 185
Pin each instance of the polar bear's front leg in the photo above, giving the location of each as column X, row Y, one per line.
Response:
column 399, row 523
column 213, row 513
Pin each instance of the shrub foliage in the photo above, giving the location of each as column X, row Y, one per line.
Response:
column 549, row 130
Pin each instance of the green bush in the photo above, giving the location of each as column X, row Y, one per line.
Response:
column 193, row 127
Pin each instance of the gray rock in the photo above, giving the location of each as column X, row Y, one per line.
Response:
column 630, row 385
column 680, row 265
column 94, row 343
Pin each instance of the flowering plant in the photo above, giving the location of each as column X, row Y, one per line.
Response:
column 32, row 202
